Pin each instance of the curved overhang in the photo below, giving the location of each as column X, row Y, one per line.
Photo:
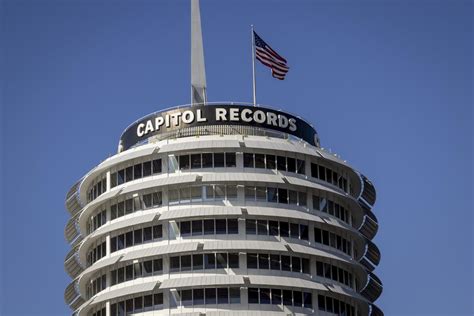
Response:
column 373, row 288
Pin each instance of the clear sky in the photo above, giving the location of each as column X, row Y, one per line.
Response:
column 387, row 84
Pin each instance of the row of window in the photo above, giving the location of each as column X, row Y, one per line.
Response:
column 204, row 261
column 273, row 162
column 330, row 176
column 206, row 160
column 276, row 228
column 136, row 305
column 209, row 227
column 136, row 203
column 332, row 305
column 97, row 285
column 136, row 237
column 332, row 240
column 280, row 297
column 189, row 194
column 97, row 189
column 97, row 221
column 332, row 208
column 138, row 171
column 329, row 271
column 277, row 262
column 275, row 195
column 97, row 253
column 136, row 270
column 209, row 296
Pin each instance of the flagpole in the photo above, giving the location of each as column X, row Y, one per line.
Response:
column 253, row 69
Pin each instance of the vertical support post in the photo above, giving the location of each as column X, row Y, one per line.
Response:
column 253, row 68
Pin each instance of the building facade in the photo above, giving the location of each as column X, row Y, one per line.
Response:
column 222, row 209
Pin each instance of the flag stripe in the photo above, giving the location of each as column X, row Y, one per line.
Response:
column 270, row 58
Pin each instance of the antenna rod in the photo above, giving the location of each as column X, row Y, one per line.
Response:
column 253, row 69
column 198, row 71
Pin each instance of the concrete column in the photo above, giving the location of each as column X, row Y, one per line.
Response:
column 107, row 245
column 107, row 309
column 107, row 176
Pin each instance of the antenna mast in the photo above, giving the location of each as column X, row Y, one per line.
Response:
column 198, row 71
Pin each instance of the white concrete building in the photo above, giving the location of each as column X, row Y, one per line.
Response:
column 209, row 213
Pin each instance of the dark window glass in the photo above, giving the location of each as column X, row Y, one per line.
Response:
column 185, row 228
column 319, row 269
column 336, row 306
column 157, row 198
column 272, row 195
column 120, row 241
column 305, row 265
column 197, row 262
column 271, row 162
column 209, row 261
column 302, row 198
column 250, row 227
column 252, row 261
column 137, row 171
column 317, row 235
column 327, row 270
column 262, row 227
column 232, row 226
column 210, row 296
column 156, row 166
column 248, row 160
column 322, row 173
column 284, row 229
column 304, row 232
column 186, row 263
column 283, row 196
column 138, row 303
column 147, row 168
column 340, row 275
column 325, row 237
column 253, row 295
column 329, row 304
column 147, row 235
column 174, row 264
column 128, row 272
column 208, row 227
column 295, row 264
column 195, row 161
column 233, row 260
column 287, row 297
column 275, row 262
column 263, row 261
column 128, row 174
column 184, row 162
column 294, row 230
column 286, row 263
column 321, row 303
column 281, row 163
column 129, row 305
column 198, row 296
column 207, row 160
column 128, row 206
column 300, row 166
column 218, row 160
column 259, row 161
column 157, row 266
column 113, row 211
column 158, row 299
column 264, row 296
column 147, row 200
column 137, row 236
column 120, row 209
column 230, row 160
column 113, row 244
column 297, row 298
column 293, row 197
column 157, row 232
column 113, row 180
column 121, row 176
column 223, row 296
column 197, row 228
column 334, row 273
column 148, row 301
column 307, row 300
column 120, row 275
column 273, row 227
column 221, row 226
column 291, row 164
column 129, row 239
column 221, row 260
column 261, row 193
column 234, row 294
column 276, row 296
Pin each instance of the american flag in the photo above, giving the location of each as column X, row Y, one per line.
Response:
column 267, row 56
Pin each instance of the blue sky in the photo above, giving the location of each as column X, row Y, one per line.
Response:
column 387, row 84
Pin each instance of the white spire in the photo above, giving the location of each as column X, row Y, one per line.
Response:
column 198, row 71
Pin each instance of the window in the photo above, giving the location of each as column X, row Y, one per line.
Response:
column 234, row 295
column 300, row 166
column 137, row 236
column 230, row 160
column 286, row 263
column 252, row 261
column 259, row 161
column 248, row 160
column 273, row 228
column 147, row 169
column 250, row 227
column 291, row 167
column 223, row 296
column 263, row 261
column 137, row 171
column 272, row 195
column 156, row 166
column 282, row 196
column 209, row 261
column 210, row 296
column 218, row 160
column 209, row 227
column 195, row 161
column 157, row 231
column 128, row 174
column 284, row 229
column 207, row 160
column 147, row 234
column 233, row 260
column 185, row 228
column 294, row 230
column 231, row 192
column 157, row 266
column 184, row 162
column 221, row 260
column 264, row 296
column 198, row 296
column 275, row 262
column 197, row 262
column 321, row 303
column 297, row 298
column 271, row 162
column 121, row 176
column 253, row 295
column 261, row 193
column 295, row 264
column 276, row 296
column 186, row 263
column 262, row 227
column 174, row 264
column 232, row 226
column 196, row 228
